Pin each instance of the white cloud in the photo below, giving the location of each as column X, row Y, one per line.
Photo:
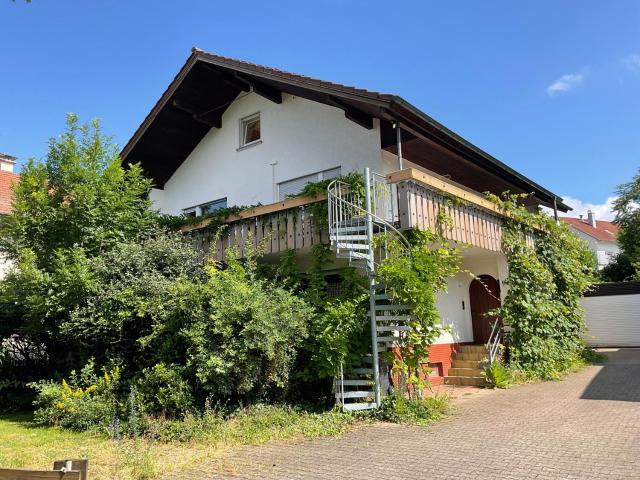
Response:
column 565, row 83
column 632, row 62
column 603, row 211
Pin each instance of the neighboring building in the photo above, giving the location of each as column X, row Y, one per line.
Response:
column 600, row 235
column 7, row 177
column 228, row 132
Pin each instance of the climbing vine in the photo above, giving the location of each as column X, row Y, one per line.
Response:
column 549, row 270
column 415, row 277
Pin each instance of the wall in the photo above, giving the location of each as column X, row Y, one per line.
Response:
column 302, row 136
column 612, row 320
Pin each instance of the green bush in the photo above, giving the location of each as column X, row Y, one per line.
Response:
column 87, row 401
column 164, row 391
column 421, row 411
column 497, row 375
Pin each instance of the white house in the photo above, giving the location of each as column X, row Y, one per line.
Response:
column 7, row 177
column 228, row 132
column 599, row 235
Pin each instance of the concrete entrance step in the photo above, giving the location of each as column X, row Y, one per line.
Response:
column 469, row 381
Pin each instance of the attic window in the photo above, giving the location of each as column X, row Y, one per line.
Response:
column 250, row 130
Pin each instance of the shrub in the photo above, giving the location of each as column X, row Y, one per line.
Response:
column 497, row 375
column 85, row 402
column 164, row 391
column 422, row 411
column 243, row 340
column 546, row 281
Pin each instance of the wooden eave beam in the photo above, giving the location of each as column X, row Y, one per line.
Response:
column 351, row 113
column 265, row 91
column 214, row 121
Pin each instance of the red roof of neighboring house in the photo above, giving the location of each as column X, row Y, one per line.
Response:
column 604, row 231
column 6, row 179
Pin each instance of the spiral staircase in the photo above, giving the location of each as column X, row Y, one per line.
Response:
column 354, row 219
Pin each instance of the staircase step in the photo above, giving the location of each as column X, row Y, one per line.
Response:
column 378, row 286
column 393, row 328
column 385, row 308
column 472, row 349
column 466, row 363
column 346, row 230
column 360, row 371
column 355, row 394
column 468, row 381
column 355, row 383
column 353, row 255
column 471, row 356
column 351, row 246
column 393, row 318
column 466, row 372
column 359, row 406
column 349, row 238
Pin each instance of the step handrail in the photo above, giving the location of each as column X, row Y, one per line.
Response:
column 495, row 337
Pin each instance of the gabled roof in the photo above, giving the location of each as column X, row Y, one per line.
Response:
column 604, row 231
column 207, row 84
column 6, row 194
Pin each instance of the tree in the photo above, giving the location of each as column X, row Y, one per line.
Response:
column 626, row 266
column 80, row 196
column 67, row 210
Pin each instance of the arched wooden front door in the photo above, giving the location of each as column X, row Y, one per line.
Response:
column 481, row 302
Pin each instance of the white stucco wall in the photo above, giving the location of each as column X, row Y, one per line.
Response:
column 302, row 136
column 453, row 315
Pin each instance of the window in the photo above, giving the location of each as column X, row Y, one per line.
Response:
column 250, row 130
column 205, row 208
column 295, row 186
column 213, row 206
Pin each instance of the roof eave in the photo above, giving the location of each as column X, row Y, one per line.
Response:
column 550, row 196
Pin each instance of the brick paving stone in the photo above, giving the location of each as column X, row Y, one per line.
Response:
column 585, row 426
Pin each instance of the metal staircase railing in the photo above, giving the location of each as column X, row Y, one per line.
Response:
column 354, row 218
column 495, row 340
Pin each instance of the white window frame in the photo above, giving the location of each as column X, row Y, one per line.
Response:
column 244, row 121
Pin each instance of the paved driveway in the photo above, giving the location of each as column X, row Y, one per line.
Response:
column 586, row 426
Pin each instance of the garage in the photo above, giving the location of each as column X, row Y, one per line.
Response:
column 612, row 314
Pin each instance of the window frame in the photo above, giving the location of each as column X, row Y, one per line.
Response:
column 197, row 210
column 244, row 122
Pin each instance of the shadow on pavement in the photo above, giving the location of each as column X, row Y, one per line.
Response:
column 618, row 379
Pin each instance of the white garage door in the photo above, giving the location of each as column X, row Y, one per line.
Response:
column 612, row 320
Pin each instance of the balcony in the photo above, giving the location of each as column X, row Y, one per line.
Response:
column 408, row 198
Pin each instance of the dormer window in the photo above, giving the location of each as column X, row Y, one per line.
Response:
column 250, row 130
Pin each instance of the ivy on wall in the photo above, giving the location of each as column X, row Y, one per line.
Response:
column 546, row 281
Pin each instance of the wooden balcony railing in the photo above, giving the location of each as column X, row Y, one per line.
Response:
column 415, row 200
column 280, row 226
column 421, row 197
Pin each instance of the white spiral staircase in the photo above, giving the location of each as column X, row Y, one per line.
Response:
column 354, row 219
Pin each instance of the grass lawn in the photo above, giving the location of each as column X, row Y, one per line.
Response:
column 25, row 445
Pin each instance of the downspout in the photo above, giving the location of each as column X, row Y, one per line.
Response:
column 399, row 144
column 555, row 209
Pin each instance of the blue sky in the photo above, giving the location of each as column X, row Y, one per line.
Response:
column 550, row 87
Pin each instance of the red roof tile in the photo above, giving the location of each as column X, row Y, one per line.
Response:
column 604, row 231
column 6, row 179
